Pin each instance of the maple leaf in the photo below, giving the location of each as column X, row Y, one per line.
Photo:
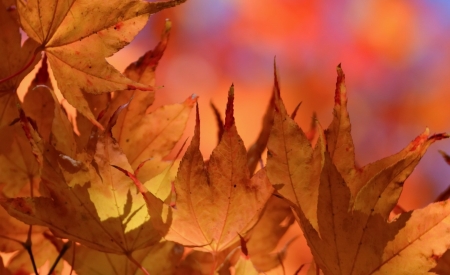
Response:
column 216, row 203
column 90, row 201
column 161, row 258
column 77, row 35
column 265, row 235
column 222, row 199
column 3, row 269
column 14, row 57
column 204, row 263
column 144, row 136
column 20, row 176
column 18, row 167
column 350, row 233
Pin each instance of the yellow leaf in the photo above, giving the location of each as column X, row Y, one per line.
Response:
column 78, row 35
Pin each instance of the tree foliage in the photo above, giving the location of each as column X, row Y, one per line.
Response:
column 107, row 202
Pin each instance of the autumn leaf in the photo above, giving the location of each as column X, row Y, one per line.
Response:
column 20, row 176
column 160, row 259
column 39, row 104
column 3, row 269
column 18, row 166
column 293, row 166
column 44, row 255
column 216, row 203
column 14, row 56
column 78, row 35
column 340, row 146
column 350, row 233
column 222, row 199
column 204, row 263
column 90, row 201
column 266, row 234
column 146, row 136
column 255, row 151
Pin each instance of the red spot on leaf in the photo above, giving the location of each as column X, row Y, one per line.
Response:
column 118, row 26
column 11, row 8
column 435, row 257
column 21, row 205
column 131, row 87
column 419, row 140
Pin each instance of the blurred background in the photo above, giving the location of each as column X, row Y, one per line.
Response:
column 395, row 54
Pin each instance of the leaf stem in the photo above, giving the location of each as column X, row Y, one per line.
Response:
column 65, row 247
column 27, row 245
column 137, row 264
column 214, row 263
column 21, row 70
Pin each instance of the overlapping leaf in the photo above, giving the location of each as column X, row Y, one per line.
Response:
column 143, row 136
column 20, row 176
column 266, row 234
column 350, row 232
column 90, row 201
column 216, row 203
column 77, row 35
column 222, row 199
column 18, row 167
column 160, row 259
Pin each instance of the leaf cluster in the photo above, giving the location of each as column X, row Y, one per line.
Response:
column 96, row 190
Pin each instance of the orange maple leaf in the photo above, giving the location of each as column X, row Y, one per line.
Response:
column 77, row 35
column 215, row 203
column 349, row 231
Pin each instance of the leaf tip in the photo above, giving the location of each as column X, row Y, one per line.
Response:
column 339, row 95
column 229, row 117
column 191, row 100
column 167, row 25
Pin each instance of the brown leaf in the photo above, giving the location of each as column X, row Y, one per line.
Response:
column 219, row 121
column 204, row 263
column 213, row 204
column 159, row 259
column 19, row 170
column 222, row 199
column 14, row 57
column 293, row 167
column 3, row 269
column 90, row 201
column 155, row 135
column 265, row 235
column 354, row 235
column 245, row 267
column 38, row 103
column 255, row 151
column 44, row 253
column 77, row 36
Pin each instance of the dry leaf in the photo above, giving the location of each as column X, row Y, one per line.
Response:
column 221, row 199
column 264, row 237
column 352, row 234
column 160, row 259
column 77, row 35
column 90, row 201
column 255, row 151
